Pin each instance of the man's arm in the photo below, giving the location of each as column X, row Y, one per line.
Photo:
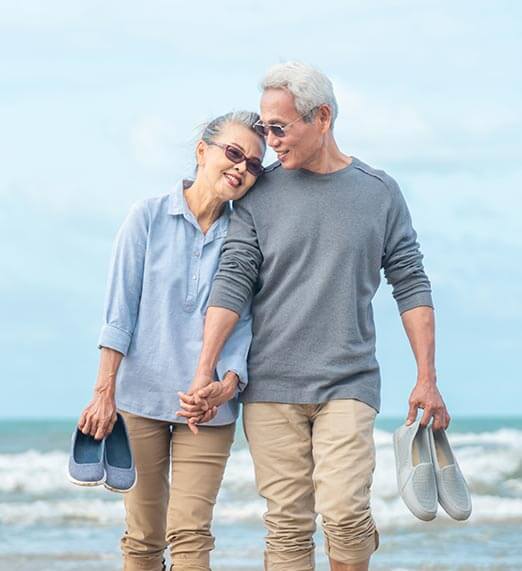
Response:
column 232, row 289
column 419, row 324
column 403, row 269
column 219, row 324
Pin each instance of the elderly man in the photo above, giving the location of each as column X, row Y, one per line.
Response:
column 306, row 247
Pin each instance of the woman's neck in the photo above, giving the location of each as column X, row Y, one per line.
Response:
column 204, row 204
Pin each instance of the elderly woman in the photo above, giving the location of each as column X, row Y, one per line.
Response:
column 165, row 256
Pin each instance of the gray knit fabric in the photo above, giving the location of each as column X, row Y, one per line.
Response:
column 454, row 486
column 425, row 486
column 310, row 247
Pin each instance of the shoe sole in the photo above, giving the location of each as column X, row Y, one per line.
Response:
column 85, row 484
column 117, row 490
column 397, row 467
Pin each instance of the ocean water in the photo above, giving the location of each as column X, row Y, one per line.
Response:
column 46, row 523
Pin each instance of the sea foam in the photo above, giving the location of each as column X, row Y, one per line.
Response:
column 34, row 487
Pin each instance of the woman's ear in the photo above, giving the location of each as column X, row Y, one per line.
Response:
column 201, row 151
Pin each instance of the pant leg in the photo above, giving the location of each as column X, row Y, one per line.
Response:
column 279, row 436
column 143, row 543
column 344, row 454
column 197, row 467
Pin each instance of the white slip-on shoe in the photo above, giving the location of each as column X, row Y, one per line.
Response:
column 415, row 470
column 452, row 488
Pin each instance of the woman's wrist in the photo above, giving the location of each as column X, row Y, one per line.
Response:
column 105, row 388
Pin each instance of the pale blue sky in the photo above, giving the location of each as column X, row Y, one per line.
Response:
column 99, row 104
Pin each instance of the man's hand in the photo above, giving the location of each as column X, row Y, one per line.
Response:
column 426, row 395
column 200, row 406
column 217, row 393
column 199, row 381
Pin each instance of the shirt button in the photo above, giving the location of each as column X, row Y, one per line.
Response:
column 196, row 253
column 194, row 277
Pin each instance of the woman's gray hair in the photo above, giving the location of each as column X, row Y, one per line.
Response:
column 214, row 128
column 309, row 86
column 211, row 130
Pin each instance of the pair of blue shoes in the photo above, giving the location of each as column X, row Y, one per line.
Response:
column 109, row 461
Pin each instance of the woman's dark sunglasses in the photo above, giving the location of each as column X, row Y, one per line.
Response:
column 237, row 156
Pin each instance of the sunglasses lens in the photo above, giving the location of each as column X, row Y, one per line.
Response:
column 277, row 130
column 260, row 129
column 234, row 155
column 254, row 167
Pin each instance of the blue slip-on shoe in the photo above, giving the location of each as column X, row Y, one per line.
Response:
column 119, row 461
column 415, row 470
column 86, row 466
column 453, row 491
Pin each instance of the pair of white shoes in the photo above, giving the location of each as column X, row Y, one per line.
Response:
column 428, row 473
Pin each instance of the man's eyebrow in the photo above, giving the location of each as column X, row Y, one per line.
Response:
column 276, row 122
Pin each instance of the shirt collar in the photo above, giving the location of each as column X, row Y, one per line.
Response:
column 177, row 202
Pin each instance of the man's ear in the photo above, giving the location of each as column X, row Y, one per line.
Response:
column 324, row 116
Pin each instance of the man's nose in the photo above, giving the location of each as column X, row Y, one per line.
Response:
column 272, row 140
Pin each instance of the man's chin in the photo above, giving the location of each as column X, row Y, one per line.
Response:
column 289, row 165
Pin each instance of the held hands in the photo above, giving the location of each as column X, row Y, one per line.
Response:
column 426, row 395
column 200, row 403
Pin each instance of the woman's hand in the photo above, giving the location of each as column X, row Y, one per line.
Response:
column 194, row 413
column 99, row 416
column 200, row 405
column 217, row 393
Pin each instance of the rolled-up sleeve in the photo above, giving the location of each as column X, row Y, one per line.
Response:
column 402, row 258
column 241, row 258
column 235, row 352
column 125, row 281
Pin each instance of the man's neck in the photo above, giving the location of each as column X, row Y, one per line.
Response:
column 328, row 159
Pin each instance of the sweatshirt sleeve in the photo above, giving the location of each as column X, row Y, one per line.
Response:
column 402, row 258
column 241, row 258
column 235, row 352
column 125, row 281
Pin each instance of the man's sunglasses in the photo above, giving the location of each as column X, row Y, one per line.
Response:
column 277, row 130
column 237, row 156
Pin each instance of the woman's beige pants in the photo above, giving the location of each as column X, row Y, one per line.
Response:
column 176, row 514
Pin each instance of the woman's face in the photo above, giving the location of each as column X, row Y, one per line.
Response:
column 229, row 180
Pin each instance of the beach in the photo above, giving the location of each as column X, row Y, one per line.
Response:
column 46, row 523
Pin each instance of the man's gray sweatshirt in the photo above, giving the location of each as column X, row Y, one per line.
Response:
column 309, row 248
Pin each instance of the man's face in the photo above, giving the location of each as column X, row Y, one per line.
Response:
column 302, row 141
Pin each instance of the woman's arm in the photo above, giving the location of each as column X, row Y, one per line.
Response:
column 125, row 281
column 122, row 301
column 99, row 416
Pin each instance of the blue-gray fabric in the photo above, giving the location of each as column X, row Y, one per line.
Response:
column 159, row 282
column 307, row 249
column 86, row 458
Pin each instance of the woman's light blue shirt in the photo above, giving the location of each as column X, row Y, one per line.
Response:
column 159, row 283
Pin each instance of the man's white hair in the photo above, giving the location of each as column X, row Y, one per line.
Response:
column 309, row 86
